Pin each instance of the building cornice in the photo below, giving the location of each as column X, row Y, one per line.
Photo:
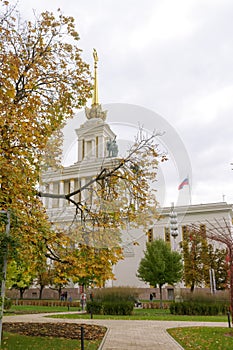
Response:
column 198, row 209
column 86, row 168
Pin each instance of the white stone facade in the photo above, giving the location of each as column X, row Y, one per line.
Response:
column 198, row 214
column 92, row 138
column 201, row 214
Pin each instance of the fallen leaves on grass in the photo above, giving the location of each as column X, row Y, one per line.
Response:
column 59, row 330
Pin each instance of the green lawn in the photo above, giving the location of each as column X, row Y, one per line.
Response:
column 191, row 338
column 138, row 314
column 150, row 314
column 203, row 338
column 19, row 342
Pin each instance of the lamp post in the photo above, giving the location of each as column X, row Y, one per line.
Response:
column 173, row 225
column 174, row 234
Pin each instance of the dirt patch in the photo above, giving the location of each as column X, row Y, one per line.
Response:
column 59, row 330
column 229, row 334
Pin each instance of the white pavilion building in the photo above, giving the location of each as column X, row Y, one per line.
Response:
column 93, row 138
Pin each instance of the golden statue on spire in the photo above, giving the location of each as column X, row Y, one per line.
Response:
column 95, row 99
column 95, row 56
column 95, row 112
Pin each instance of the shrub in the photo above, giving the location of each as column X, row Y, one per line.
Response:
column 110, row 308
column 7, row 303
column 199, row 308
column 118, row 308
column 113, row 301
column 39, row 302
column 94, row 307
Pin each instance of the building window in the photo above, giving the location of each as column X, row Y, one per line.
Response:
column 88, row 151
column 150, row 235
column 167, row 235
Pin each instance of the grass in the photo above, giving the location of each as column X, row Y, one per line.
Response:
column 190, row 338
column 203, row 338
column 138, row 314
column 149, row 314
column 12, row 341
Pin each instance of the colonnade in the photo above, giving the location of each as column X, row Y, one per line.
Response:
column 63, row 187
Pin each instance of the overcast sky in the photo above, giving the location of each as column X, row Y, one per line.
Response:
column 175, row 59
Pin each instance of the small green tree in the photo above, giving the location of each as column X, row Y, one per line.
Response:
column 160, row 265
column 20, row 276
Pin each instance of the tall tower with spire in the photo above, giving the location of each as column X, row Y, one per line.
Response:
column 95, row 143
column 97, row 148
column 96, row 140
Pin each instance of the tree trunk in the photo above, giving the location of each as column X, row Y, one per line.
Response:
column 160, row 297
column 21, row 292
column 192, row 287
column 41, row 291
column 59, row 292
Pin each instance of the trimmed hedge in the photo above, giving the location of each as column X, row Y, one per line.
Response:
column 39, row 302
column 113, row 301
column 118, row 308
column 94, row 307
column 110, row 308
column 199, row 308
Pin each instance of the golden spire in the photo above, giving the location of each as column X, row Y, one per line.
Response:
column 95, row 98
column 95, row 112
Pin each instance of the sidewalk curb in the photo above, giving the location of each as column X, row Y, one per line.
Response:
column 173, row 340
column 104, row 339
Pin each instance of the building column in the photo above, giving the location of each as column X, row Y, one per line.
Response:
column 50, row 201
column 101, row 147
column 71, row 187
column 83, row 193
column 80, row 150
column 93, row 148
column 43, row 199
column 61, row 191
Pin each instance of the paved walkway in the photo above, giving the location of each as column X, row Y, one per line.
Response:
column 126, row 335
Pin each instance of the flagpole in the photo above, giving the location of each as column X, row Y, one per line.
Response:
column 190, row 195
column 182, row 184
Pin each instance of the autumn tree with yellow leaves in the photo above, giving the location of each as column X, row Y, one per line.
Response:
column 221, row 232
column 43, row 81
column 200, row 257
column 118, row 198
